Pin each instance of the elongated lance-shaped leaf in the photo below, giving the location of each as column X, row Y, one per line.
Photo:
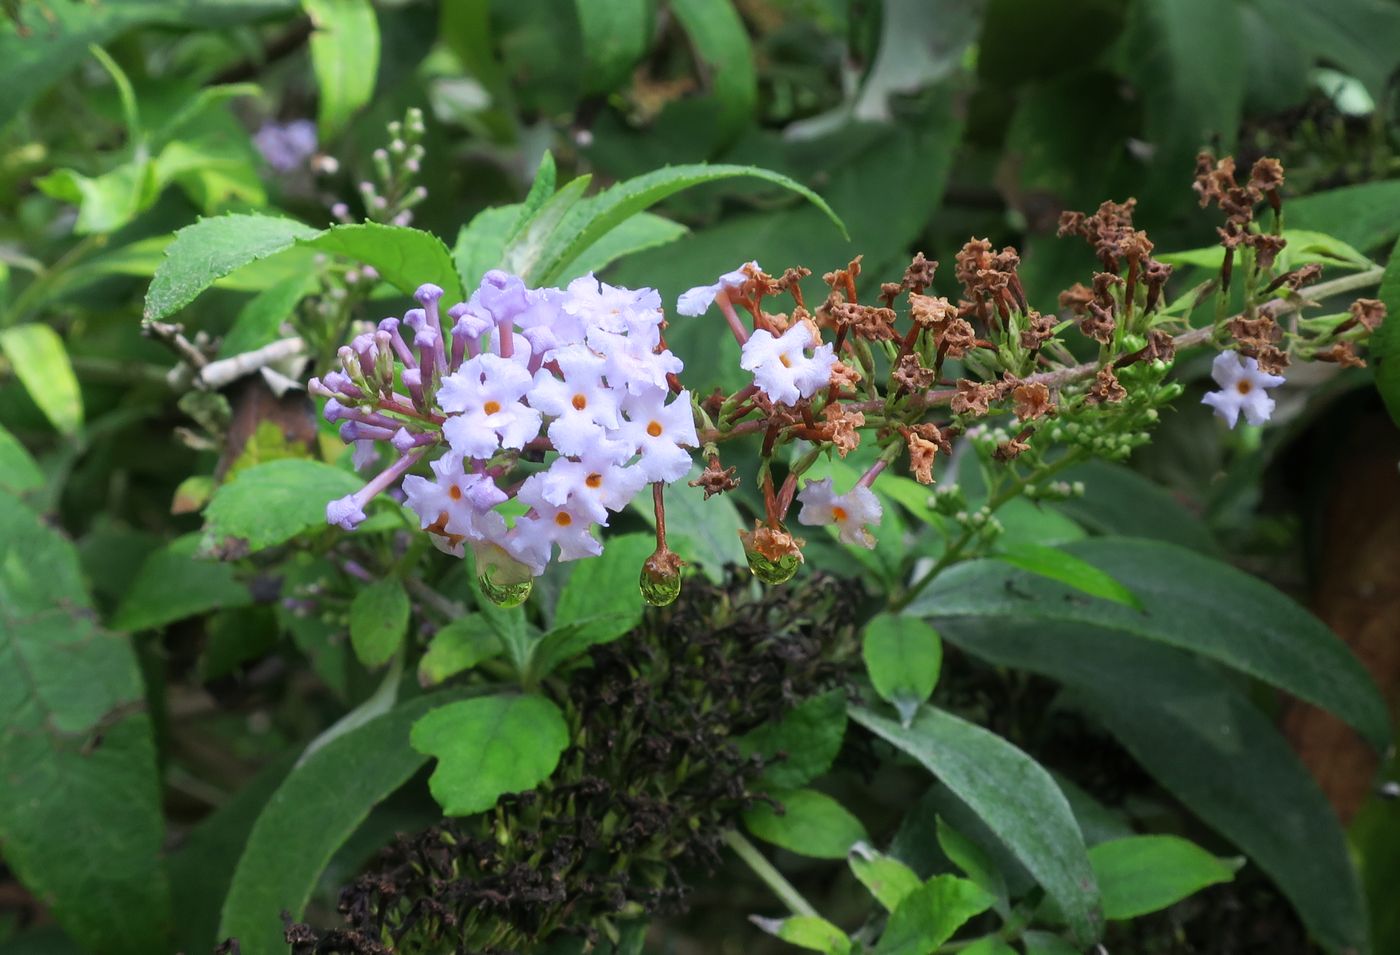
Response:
column 593, row 219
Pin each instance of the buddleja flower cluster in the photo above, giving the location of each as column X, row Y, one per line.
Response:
column 515, row 375
column 503, row 380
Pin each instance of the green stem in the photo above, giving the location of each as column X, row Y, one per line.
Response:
column 954, row 552
column 771, row 877
column 36, row 291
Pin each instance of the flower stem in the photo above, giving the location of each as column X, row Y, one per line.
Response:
column 771, row 877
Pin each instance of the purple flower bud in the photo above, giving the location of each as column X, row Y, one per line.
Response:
column 403, row 441
column 501, row 295
column 391, row 325
column 428, row 295
column 345, row 512
column 335, row 411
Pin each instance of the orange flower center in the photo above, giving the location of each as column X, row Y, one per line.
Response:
column 594, row 480
column 454, row 492
column 839, row 513
column 654, row 429
column 491, row 407
column 785, row 361
column 563, row 519
column 580, row 402
column 1244, row 387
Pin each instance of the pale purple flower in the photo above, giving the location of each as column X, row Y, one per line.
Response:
column 286, row 146
column 697, row 301
column 1242, row 389
column 781, row 366
column 849, row 512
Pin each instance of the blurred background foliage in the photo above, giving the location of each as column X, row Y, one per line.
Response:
column 922, row 122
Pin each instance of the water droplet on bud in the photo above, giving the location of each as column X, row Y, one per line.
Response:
column 504, row 594
column 661, row 577
column 770, row 571
column 505, row 581
column 773, row 554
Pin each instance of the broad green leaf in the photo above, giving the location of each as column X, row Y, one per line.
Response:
column 542, row 189
column 1303, row 248
column 1119, row 501
column 457, row 647
column 1188, row 601
column 319, row 805
column 488, row 747
column 811, row 932
column 974, row 863
column 1142, row 874
column 1213, row 749
column 1042, row 525
column 606, row 584
column 174, row 584
column 211, row 249
column 18, row 473
column 40, row 362
column 345, row 57
column 1362, row 215
column 930, row 915
column 888, row 879
column 405, row 258
column 481, row 243
column 269, row 504
column 202, row 866
column 594, row 218
column 704, row 533
column 259, row 322
column 379, row 621
column 1192, row 80
column 532, row 238
column 615, row 36
column 1363, row 36
column 1385, row 341
column 810, row 823
column 920, row 43
column 642, row 231
column 722, row 45
column 1045, row 943
column 903, row 656
column 1056, row 564
column 77, row 753
column 1013, row 795
column 808, row 736
column 105, row 202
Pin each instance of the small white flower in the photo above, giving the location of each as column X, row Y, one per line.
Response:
column 1242, row 389
column 781, row 367
column 535, row 534
column 583, row 407
column 660, row 431
column 593, row 485
column 485, row 394
column 452, row 502
column 612, row 309
column 632, row 364
column 697, row 301
column 850, row 512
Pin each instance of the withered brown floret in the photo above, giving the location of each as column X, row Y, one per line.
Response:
column 1039, row 330
column 1032, row 400
column 1368, row 312
column 911, row 375
column 841, row 425
column 1342, row 353
column 1106, row 388
column 716, row 479
column 1098, row 324
column 919, row 275
column 973, row 397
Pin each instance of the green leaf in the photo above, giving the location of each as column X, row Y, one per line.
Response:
column 404, row 257
column 810, row 824
column 722, row 45
column 888, row 879
column 705, row 533
column 809, row 737
column 1191, row 728
column 811, row 932
column 345, row 57
column 106, row 202
column 457, row 647
column 1119, row 501
column 615, row 36
column 930, row 915
column 201, row 868
column 1361, row 35
column 599, row 603
column 260, row 321
column 1013, row 795
column 173, row 584
column 1142, row 874
column 1303, row 248
column 1362, row 215
column 18, row 473
column 599, row 215
column 379, row 621
column 989, row 945
column 1055, row 564
column 1045, row 943
column 903, row 656
column 488, row 747
column 1188, row 601
column 481, row 243
column 975, row 864
column 642, row 231
column 269, row 504
column 211, row 249
column 320, row 804
column 1385, row 341
column 40, row 362
column 531, row 239
column 77, row 751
